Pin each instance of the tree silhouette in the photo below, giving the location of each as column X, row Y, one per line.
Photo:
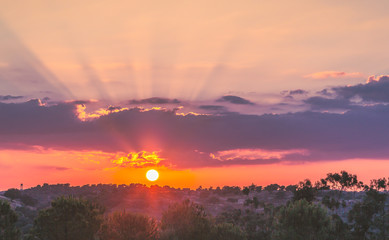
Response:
column 305, row 190
column 69, row 218
column 128, row 226
column 185, row 221
column 227, row 231
column 364, row 213
column 8, row 218
column 12, row 193
column 302, row 220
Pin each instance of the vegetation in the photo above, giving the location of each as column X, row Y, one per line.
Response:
column 128, row 226
column 337, row 207
column 185, row 221
column 8, row 218
column 302, row 220
column 68, row 218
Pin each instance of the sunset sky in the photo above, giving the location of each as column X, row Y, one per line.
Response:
column 208, row 93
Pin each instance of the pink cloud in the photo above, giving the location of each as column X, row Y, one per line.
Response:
column 254, row 154
column 373, row 78
column 333, row 74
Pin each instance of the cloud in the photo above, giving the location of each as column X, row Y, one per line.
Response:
column 9, row 97
column 254, row 154
column 52, row 168
column 187, row 141
column 333, row 74
column 213, row 107
column 139, row 159
column 155, row 100
column 325, row 92
column 295, row 92
column 319, row 103
column 234, row 100
column 375, row 90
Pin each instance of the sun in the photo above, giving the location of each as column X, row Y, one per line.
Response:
column 152, row 175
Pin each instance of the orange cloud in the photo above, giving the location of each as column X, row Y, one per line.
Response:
column 84, row 116
column 373, row 78
column 139, row 159
column 333, row 74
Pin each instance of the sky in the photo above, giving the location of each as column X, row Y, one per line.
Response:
column 209, row 93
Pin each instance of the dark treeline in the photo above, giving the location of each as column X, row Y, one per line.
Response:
column 338, row 206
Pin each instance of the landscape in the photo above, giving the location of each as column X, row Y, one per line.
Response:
column 338, row 206
column 189, row 120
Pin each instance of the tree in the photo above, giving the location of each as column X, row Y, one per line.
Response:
column 28, row 200
column 185, row 221
column 69, row 218
column 128, row 226
column 8, row 218
column 302, row 220
column 12, row 193
column 227, row 231
column 246, row 191
column 272, row 187
column 363, row 215
column 254, row 225
column 305, row 190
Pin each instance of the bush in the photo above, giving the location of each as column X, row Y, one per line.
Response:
column 68, row 218
column 8, row 218
column 12, row 193
column 302, row 220
column 185, row 221
column 128, row 226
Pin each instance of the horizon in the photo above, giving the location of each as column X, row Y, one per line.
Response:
column 207, row 94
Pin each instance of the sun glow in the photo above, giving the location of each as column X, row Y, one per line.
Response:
column 152, row 175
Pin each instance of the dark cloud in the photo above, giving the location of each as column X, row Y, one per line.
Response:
column 213, row 107
column 295, row 92
column 189, row 140
column 319, row 103
column 113, row 108
column 155, row 100
column 234, row 100
column 53, row 168
column 375, row 90
column 9, row 97
column 298, row 92
column 325, row 92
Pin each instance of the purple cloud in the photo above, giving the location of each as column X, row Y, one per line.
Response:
column 190, row 140
column 375, row 90
column 234, row 100
column 9, row 97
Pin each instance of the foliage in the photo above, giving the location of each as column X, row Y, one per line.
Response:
column 28, row 200
column 68, row 218
column 246, row 191
column 255, row 225
column 363, row 215
column 185, row 221
column 8, row 218
column 302, row 220
column 330, row 202
column 273, row 187
column 305, row 190
column 227, row 231
column 12, row 193
column 340, row 230
column 128, row 226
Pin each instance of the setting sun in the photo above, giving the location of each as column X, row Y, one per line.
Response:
column 152, row 175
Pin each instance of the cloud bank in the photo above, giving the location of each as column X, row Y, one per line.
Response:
column 190, row 140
